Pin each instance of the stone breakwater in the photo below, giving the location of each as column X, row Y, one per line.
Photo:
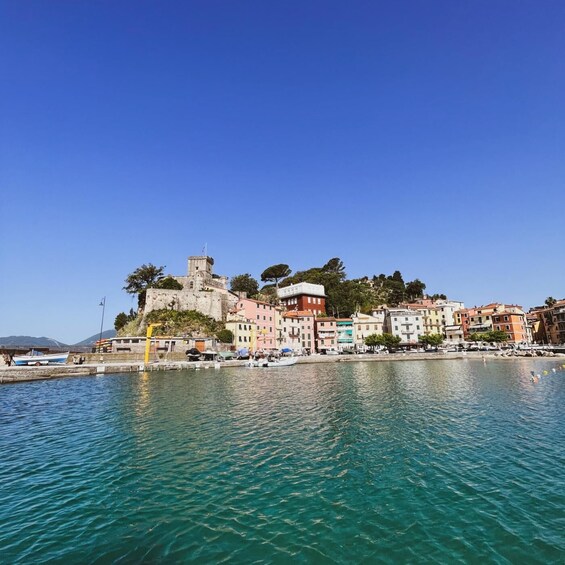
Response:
column 15, row 374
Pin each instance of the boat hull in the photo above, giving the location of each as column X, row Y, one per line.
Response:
column 285, row 362
column 50, row 359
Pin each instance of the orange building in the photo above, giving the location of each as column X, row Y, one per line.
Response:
column 512, row 322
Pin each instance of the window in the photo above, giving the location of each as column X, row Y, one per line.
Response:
column 239, row 326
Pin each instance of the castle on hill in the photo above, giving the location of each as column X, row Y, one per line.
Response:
column 202, row 291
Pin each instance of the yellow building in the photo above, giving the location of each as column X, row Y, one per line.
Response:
column 244, row 333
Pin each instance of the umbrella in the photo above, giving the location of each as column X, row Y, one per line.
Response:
column 286, row 350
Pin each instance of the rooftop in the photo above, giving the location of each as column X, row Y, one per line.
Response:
column 302, row 288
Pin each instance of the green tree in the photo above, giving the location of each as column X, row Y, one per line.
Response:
column 122, row 319
column 415, row 289
column 335, row 265
column 225, row 336
column 432, row 340
column 495, row 336
column 476, row 337
column 141, row 279
column 169, row 283
column 550, row 301
column 391, row 341
column 244, row 283
column 268, row 293
column 386, row 340
column 275, row 273
column 373, row 340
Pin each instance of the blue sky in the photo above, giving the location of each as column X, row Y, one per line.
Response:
column 427, row 137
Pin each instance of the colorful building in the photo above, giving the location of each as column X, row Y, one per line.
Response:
column 263, row 315
column 298, row 331
column 303, row 296
column 365, row 325
column 326, row 334
column 244, row 333
column 344, row 328
column 512, row 321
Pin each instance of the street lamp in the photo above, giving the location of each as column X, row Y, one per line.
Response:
column 103, row 304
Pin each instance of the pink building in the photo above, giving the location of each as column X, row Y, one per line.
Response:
column 263, row 315
column 326, row 334
column 298, row 331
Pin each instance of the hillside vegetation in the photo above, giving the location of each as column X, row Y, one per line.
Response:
column 187, row 323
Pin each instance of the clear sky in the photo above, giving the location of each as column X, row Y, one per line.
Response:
column 424, row 136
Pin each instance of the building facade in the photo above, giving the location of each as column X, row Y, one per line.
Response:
column 344, row 328
column 406, row 324
column 326, row 334
column 512, row 321
column 298, row 331
column 263, row 316
column 303, row 296
column 365, row 325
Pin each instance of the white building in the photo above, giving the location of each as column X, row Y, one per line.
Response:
column 406, row 324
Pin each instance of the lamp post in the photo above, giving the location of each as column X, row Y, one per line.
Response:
column 103, row 304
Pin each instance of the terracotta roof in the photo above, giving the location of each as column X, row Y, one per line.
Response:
column 298, row 314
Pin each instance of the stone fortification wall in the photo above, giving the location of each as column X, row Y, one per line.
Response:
column 211, row 303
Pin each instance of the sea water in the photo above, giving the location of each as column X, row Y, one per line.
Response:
column 383, row 462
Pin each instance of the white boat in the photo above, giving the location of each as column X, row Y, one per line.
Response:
column 38, row 358
column 282, row 362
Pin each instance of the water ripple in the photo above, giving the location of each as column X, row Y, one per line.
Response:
column 371, row 462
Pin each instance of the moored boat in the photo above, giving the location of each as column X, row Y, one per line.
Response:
column 38, row 358
column 282, row 362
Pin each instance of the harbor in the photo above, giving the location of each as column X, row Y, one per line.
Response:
column 101, row 364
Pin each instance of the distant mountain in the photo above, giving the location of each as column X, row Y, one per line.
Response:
column 30, row 341
column 93, row 338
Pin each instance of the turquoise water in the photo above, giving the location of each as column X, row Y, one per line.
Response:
column 438, row 461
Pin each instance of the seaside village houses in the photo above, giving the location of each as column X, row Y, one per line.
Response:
column 298, row 322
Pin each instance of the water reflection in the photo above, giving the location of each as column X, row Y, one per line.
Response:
column 342, row 462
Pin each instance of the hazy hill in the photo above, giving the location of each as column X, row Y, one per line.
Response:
column 31, row 341
column 90, row 340
column 27, row 340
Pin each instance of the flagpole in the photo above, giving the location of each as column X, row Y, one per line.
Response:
column 103, row 304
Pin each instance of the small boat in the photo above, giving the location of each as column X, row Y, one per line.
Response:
column 282, row 362
column 37, row 358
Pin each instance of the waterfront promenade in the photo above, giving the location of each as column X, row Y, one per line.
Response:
column 104, row 364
